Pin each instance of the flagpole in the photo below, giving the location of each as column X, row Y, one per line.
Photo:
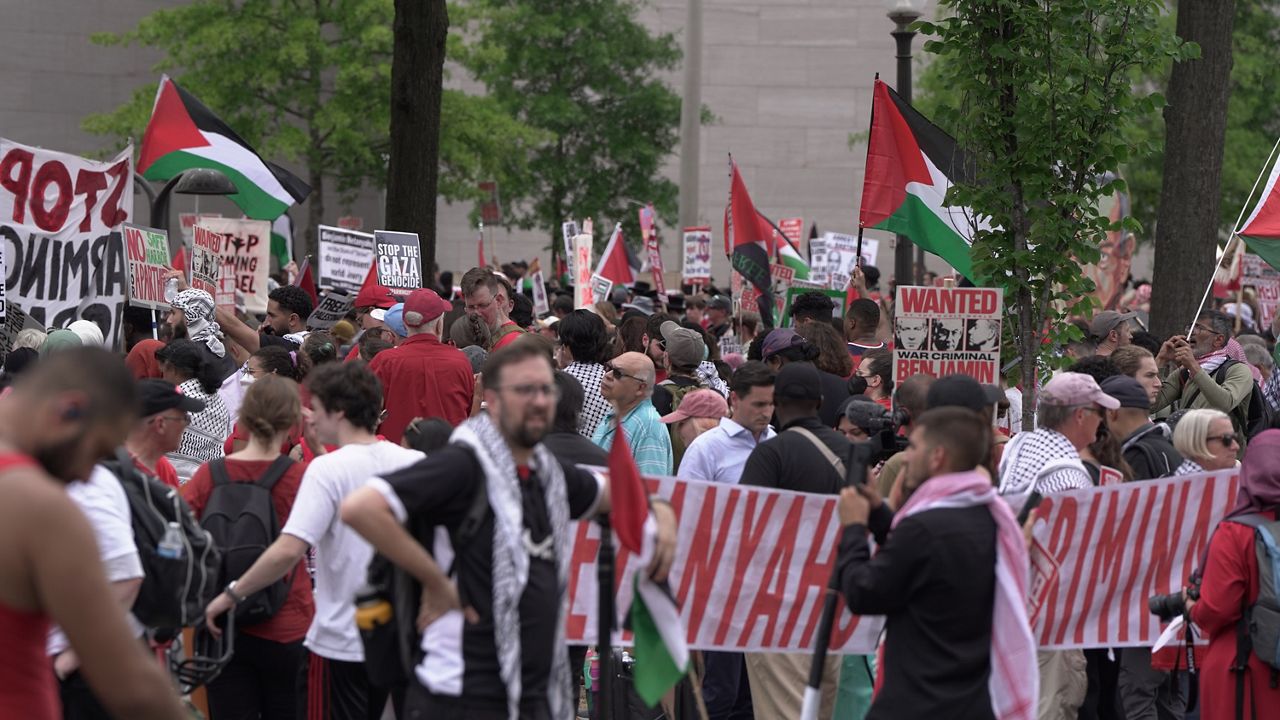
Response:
column 605, row 614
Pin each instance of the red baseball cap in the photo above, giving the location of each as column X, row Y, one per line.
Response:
column 422, row 306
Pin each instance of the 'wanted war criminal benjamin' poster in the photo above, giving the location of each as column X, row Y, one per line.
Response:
column 943, row 331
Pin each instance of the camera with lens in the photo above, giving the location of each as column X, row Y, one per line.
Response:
column 1167, row 607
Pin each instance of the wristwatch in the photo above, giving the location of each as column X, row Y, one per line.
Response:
column 231, row 593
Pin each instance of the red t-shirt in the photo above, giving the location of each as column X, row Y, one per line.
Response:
column 164, row 471
column 423, row 378
column 291, row 621
column 510, row 337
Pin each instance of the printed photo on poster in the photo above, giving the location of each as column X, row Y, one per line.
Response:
column 945, row 331
column 697, row 254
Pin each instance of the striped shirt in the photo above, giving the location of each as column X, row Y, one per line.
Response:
column 649, row 438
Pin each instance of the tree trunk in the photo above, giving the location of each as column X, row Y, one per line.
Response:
column 1195, row 129
column 417, row 84
column 315, row 213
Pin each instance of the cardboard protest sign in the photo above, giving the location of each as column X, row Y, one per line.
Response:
column 245, row 249
column 600, row 287
column 344, row 259
column 569, row 231
column 842, row 257
column 205, row 265
column 15, row 321
column 60, row 218
column 697, row 255
column 399, row 261
column 147, row 253
column 333, row 307
column 943, row 331
column 582, row 275
column 540, row 302
column 1256, row 273
column 1098, row 554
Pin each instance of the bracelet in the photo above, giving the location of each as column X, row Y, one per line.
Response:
column 231, row 593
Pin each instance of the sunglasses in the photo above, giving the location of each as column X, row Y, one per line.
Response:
column 1227, row 440
column 618, row 374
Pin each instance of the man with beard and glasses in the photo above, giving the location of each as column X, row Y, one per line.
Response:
column 950, row 577
column 62, row 417
column 346, row 400
column 488, row 296
column 493, row 627
column 1212, row 371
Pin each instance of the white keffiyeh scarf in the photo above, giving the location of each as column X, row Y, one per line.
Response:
column 511, row 559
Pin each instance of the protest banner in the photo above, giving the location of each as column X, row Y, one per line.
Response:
column 650, row 235
column 344, row 258
column 60, row 217
column 600, row 288
column 1263, row 278
column 793, row 229
column 751, row 564
column 697, row 255
column 1097, row 555
column 569, row 231
column 187, row 222
column 245, row 249
column 399, row 261
column 205, row 266
column 582, row 275
column 333, row 307
column 541, row 304
column 147, row 262
column 942, row 331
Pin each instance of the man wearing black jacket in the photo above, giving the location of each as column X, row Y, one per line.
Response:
column 807, row 455
column 933, row 577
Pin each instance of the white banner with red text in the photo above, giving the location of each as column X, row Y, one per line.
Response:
column 752, row 564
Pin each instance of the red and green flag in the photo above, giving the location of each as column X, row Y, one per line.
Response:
column 184, row 134
column 911, row 163
column 749, row 236
column 1261, row 231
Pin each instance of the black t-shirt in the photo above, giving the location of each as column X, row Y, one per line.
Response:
column 265, row 339
column 438, row 491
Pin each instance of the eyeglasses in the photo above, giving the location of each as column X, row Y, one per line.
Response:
column 533, row 390
column 184, row 418
column 1228, row 440
column 618, row 374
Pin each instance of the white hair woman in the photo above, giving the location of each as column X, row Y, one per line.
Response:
column 1206, row 440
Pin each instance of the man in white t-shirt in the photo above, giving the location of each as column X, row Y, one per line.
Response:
column 346, row 400
column 103, row 501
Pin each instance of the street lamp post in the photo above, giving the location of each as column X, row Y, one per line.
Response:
column 903, row 13
column 196, row 181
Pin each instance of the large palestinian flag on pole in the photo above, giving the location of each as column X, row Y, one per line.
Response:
column 1261, row 232
column 184, row 134
column 911, row 163
column 750, row 237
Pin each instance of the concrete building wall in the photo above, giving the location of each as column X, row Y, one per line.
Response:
column 788, row 80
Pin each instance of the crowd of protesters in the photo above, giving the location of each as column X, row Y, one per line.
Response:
column 450, row 433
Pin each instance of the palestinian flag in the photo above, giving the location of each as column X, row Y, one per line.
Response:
column 282, row 239
column 615, row 261
column 750, row 236
column 662, row 653
column 789, row 256
column 911, row 163
column 184, row 134
column 1261, row 232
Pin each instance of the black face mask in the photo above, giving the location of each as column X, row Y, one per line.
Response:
column 857, row 385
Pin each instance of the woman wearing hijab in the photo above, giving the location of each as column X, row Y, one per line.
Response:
column 89, row 333
column 185, row 366
column 1229, row 584
column 60, row 340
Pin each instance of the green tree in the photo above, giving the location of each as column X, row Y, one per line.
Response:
column 586, row 72
column 1044, row 103
column 311, row 83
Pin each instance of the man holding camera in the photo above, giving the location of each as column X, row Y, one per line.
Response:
column 806, row 456
column 950, row 576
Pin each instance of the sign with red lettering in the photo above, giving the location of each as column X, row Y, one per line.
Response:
column 205, row 266
column 147, row 253
column 245, row 249
column 1256, row 273
column 60, row 218
column 650, row 234
column 792, row 228
column 1098, row 554
column 944, row 331
column 697, row 255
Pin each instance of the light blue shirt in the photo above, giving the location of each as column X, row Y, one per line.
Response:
column 649, row 438
column 719, row 454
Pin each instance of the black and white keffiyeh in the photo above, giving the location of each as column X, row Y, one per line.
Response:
column 511, row 559
column 594, row 407
column 1188, row 467
column 197, row 309
column 1043, row 460
column 203, row 438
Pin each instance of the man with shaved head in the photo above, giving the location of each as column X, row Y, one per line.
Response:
column 627, row 385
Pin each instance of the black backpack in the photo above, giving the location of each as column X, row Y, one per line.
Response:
column 242, row 521
column 174, row 592
column 1251, row 416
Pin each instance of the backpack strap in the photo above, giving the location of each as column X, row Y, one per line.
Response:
column 822, row 448
column 127, row 472
column 218, row 472
column 273, row 474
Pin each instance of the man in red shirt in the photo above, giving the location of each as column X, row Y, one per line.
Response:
column 164, row 417
column 423, row 377
column 489, row 296
column 371, row 306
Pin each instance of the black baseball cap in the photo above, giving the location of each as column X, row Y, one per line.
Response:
column 1128, row 391
column 961, row 391
column 161, row 395
column 798, row 381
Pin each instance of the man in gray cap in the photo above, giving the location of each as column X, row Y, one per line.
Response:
column 684, row 349
column 1110, row 330
column 720, row 325
column 806, row 456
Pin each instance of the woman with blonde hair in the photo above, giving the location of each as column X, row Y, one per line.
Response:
column 1206, row 440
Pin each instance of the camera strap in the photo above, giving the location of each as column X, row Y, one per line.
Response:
column 822, row 448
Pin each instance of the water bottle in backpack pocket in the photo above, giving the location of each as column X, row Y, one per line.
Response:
column 241, row 519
